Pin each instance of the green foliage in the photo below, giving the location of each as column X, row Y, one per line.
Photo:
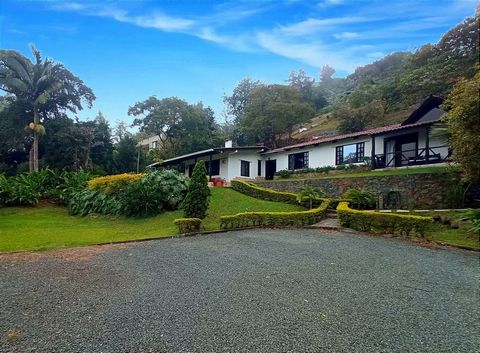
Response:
column 139, row 196
column 274, row 110
column 188, row 225
column 125, row 155
column 275, row 219
column 463, row 120
column 155, row 193
column 371, row 221
column 29, row 188
column 182, row 127
column 360, row 200
column 42, row 89
column 474, row 216
column 284, row 174
column 196, row 201
column 263, row 193
column 93, row 201
column 353, row 119
column 309, row 194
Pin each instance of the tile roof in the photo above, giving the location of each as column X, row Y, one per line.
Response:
column 370, row 132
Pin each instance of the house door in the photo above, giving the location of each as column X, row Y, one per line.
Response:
column 190, row 170
column 270, row 169
column 390, row 153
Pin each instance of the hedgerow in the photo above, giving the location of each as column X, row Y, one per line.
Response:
column 113, row 184
column 261, row 193
column 188, row 225
column 275, row 219
column 371, row 221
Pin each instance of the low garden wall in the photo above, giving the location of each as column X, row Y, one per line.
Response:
column 430, row 191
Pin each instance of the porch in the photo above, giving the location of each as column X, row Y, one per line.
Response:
column 410, row 148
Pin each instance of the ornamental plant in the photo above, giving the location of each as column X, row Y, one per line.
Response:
column 309, row 193
column 195, row 204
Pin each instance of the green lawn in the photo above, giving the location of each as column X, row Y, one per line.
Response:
column 372, row 173
column 48, row 226
column 457, row 237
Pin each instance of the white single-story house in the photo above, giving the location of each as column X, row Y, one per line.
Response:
column 404, row 144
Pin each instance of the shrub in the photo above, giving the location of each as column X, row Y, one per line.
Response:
column 284, row 174
column 114, row 184
column 370, row 221
column 196, row 201
column 474, row 216
column 155, row 193
column 361, row 200
column 262, row 193
column 93, row 201
column 188, row 225
column 274, row 219
column 308, row 193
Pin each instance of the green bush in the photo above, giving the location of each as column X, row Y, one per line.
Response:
column 371, row 221
column 27, row 189
column 196, row 201
column 262, row 193
column 309, row 194
column 93, row 201
column 274, row 219
column 155, row 193
column 360, row 200
column 188, row 225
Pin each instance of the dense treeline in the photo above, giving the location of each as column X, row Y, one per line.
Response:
column 35, row 129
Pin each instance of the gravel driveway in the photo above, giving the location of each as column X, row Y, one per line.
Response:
column 247, row 291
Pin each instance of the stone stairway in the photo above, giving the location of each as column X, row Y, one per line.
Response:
column 329, row 223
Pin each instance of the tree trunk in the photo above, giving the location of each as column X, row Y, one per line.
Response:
column 30, row 160
column 35, row 151
column 36, row 121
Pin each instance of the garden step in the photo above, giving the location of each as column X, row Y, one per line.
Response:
column 328, row 224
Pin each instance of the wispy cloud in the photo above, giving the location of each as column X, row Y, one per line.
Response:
column 316, row 40
column 346, row 35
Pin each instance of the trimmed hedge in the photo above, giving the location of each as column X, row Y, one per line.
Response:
column 113, row 184
column 275, row 219
column 371, row 221
column 188, row 225
column 262, row 193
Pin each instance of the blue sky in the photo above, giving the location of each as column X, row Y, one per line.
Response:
column 198, row 50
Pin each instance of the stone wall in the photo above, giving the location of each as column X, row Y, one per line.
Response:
column 430, row 191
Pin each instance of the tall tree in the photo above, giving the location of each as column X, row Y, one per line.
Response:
column 125, row 155
column 43, row 88
column 181, row 127
column 463, row 118
column 101, row 148
column 272, row 111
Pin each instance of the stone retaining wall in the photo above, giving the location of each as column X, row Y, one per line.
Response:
column 406, row 191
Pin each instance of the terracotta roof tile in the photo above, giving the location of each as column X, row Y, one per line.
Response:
column 369, row 132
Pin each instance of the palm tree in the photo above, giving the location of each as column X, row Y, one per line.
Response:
column 32, row 83
column 308, row 193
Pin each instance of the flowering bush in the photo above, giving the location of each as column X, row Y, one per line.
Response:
column 114, row 184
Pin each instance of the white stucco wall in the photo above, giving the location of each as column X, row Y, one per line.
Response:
column 252, row 157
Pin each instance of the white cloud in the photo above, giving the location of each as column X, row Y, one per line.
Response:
column 346, row 35
column 313, row 25
column 313, row 54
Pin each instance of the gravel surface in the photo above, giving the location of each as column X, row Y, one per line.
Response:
column 247, row 291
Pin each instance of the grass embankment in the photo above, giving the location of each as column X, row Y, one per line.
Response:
column 370, row 173
column 444, row 233
column 49, row 227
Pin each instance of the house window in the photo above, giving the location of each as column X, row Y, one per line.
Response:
column 154, row 144
column 215, row 167
column 259, row 168
column 298, row 161
column 348, row 154
column 245, row 168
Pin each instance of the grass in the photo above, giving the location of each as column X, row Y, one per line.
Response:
column 49, row 226
column 462, row 236
column 373, row 173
